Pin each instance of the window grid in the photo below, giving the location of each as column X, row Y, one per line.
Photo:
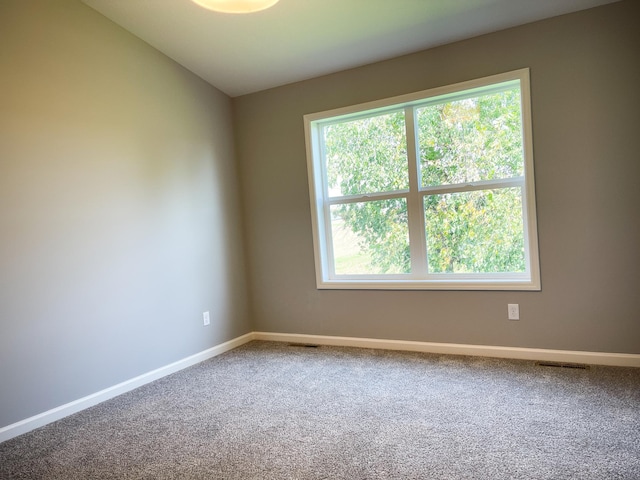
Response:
column 420, row 276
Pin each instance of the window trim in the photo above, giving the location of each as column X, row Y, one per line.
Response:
column 325, row 276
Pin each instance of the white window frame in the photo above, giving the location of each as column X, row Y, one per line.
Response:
column 419, row 278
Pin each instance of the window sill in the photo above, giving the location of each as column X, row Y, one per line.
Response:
column 488, row 285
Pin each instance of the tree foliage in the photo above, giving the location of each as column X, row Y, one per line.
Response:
column 461, row 141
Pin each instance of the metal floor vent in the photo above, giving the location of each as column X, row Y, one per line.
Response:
column 579, row 366
column 305, row 345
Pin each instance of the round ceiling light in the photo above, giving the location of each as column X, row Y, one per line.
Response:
column 236, row 6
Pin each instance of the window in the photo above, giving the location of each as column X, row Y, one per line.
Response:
column 432, row 190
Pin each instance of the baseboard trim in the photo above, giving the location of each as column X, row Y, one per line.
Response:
column 537, row 354
column 70, row 408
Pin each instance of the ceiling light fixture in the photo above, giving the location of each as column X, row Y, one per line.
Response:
column 236, row 6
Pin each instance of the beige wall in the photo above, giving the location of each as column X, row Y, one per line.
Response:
column 585, row 75
column 118, row 208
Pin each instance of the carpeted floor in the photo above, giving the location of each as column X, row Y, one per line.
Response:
column 273, row 411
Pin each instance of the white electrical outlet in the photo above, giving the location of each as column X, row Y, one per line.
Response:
column 514, row 311
column 205, row 318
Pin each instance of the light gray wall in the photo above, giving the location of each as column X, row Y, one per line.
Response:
column 585, row 74
column 118, row 208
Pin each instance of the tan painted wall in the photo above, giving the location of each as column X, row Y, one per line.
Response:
column 585, row 75
column 118, row 208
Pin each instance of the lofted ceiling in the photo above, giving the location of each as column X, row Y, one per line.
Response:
column 300, row 39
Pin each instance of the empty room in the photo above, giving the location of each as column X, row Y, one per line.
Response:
column 324, row 239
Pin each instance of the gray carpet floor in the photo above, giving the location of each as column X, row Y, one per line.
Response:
column 274, row 411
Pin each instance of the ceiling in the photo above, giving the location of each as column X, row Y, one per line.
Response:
column 300, row 39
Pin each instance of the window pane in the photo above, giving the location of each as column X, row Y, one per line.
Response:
column 473, row 139
column 475, row 232
column 371, row 237
column 367, row 155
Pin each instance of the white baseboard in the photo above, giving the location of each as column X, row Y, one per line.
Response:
column 537, row 354
column 57, row 413
column 568, row 356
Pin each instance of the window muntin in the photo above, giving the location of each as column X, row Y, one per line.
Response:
column 432, row 190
